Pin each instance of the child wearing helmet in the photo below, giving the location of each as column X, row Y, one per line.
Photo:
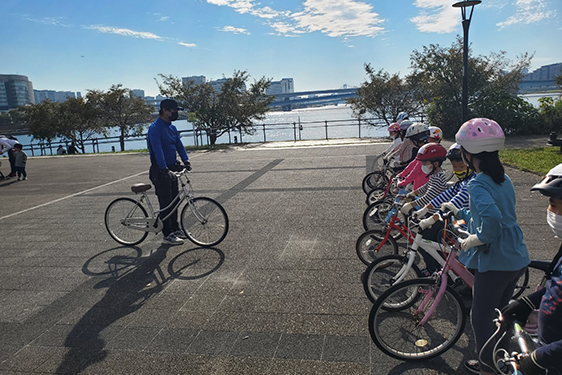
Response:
column 549, row 299
column 435, row 134
column 430, row 156
column 495, row 247
column 394, row 133
column 418, row 133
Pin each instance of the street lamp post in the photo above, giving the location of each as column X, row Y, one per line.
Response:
column 465, row 25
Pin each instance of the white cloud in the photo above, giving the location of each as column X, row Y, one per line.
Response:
column 124, row 32
column 51, row 21
column 437, row 16
column 335, row 18
column 164, row 18
column 526, row 12
column 187, row 44
column 235, row 30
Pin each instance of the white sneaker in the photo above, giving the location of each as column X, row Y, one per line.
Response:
column 171, row 239
column 181, row 234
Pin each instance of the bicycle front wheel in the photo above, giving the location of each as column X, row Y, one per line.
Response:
column 374, row 180
column 398, row 332
column 369, row 245
column 383, row 273
column 204, row 221
column 115, row 215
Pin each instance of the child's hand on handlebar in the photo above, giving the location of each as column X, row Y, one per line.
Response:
column 448, row 206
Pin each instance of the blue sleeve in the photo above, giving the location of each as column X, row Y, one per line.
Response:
column 445, row 196
column 490, row 215
column 155, row 145
column 179, row 146
column 550, row 355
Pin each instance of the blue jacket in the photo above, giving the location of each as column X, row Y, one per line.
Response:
column 491, row 216
column 163, row 142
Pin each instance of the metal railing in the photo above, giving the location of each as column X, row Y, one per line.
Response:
column 264, row 132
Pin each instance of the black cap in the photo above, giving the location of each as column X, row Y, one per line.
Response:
column 170, row 104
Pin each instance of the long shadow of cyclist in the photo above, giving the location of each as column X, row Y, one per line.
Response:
column 133, row 280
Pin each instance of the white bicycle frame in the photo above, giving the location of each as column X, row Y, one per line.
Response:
column 154, row 224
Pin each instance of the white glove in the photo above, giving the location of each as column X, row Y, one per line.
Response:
column 426, row 223
column 470, row 242
column 406, row 208
column 411, row 194
column 421, row 212
column 448, row 206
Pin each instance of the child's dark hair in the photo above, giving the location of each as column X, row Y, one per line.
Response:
column 491, row 165
column 18, row 146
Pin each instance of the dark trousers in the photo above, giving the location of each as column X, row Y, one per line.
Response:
column 21, row 171
column 12, row 159
column 166, row 190
column 492, row 290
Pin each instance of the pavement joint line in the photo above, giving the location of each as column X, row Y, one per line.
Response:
column 70, row 196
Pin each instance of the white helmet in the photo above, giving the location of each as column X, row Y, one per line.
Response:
column 435, row 132
column 417, row 131
column 402, row 116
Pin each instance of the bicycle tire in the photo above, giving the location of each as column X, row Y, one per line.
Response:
column 118, row 210
column 368, row 242
column 522, row 284
column 374, row 180
column 376, row 195
column 377, row 221
column 204, row 221
column 396, row 331
column 381, row 274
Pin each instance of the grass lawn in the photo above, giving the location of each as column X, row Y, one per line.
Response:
column 538, row 160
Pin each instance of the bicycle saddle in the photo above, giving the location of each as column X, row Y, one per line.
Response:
column 139, row 188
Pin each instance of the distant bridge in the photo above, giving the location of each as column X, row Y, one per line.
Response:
column 287, row 100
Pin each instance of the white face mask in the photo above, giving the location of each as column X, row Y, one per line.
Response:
column 555, row 222
column 427, row 169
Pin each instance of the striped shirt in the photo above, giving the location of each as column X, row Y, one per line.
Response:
column 457, row 195
column 436, row 185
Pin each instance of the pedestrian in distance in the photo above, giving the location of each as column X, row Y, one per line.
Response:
column 164, row 144
column 20, row 161
column 61, row 150
column 7, row 145
column 495, row 248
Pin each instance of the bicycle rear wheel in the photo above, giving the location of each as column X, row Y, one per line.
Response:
column 116, row 212
column 204, row 221
column 369, row 247
column 397, row 331
column 382, row 274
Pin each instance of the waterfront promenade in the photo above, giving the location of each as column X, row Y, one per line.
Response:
column 281, row 295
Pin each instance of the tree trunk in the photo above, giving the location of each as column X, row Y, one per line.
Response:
column 213, row 137
column 122, row 140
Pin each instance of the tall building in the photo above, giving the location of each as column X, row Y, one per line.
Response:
column 52, row 95
column 15, row 91
column 281, row 87
column 541, row 79
column 197, row 80
column 138, row 92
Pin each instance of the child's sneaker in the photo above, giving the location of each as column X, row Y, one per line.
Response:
column 19, row 178
column 171, row 239
column 25, row 178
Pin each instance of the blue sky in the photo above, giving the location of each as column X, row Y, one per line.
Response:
column 70, row 45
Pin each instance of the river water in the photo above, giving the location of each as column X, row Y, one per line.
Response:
column 284, row 126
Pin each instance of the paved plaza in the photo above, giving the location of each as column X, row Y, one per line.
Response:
column 280, row 295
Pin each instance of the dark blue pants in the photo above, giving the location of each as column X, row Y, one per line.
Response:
column 166, row 190
column 21, row 171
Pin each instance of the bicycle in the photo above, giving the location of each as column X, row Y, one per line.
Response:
column 203, row 219
column 378, row 178
column 389, row 270
column 422, row 318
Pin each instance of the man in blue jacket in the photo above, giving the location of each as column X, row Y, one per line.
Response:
column 163, row 143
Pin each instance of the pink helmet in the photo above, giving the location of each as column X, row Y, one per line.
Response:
column 435, row 132
column 395, row 127
column 480, row 135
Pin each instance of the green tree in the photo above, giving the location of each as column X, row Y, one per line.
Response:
column 122, row 110
column 438, row 70
column 551, row 111
column 80, row 120
column 42, row 119
column 383, row 96
column 233, row 107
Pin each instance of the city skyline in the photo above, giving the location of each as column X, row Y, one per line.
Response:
column 321, row 44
